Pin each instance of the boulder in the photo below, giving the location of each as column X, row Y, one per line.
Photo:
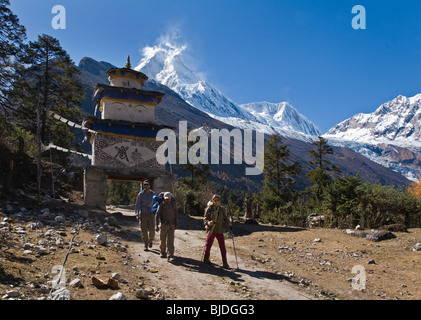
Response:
column 374, row 235
column 115, row 276
column 40, row 250
column 379, row 235
column 76, row 283
column 13, row 294
column 142, row 294
column 112, row 221
column 98, row 283
column 356, row 233
column 118, row 296
column 101, row 239
column 112, row 283
column 61, row 294
column 59, row 219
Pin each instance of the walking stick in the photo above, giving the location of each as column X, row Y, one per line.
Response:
column 232, row 235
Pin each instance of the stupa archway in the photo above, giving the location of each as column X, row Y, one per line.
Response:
column 123, row 139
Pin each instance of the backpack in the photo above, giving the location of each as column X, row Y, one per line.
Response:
column 160, row 199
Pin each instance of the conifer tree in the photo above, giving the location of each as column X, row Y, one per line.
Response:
column 12, row 53
column 320, row 176
column 279, row 172
column 49, row 83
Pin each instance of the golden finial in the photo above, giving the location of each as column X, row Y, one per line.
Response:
column 128, row 65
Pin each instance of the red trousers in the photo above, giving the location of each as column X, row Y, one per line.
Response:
column 221, row 241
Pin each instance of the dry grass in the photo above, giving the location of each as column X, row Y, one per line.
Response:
column 322, row 268
column 325, row 267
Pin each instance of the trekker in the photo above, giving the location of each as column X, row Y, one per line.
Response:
column 143, row 210
column 168, row 218
column 215, row 219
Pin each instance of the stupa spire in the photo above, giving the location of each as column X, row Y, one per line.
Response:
column 128, row 65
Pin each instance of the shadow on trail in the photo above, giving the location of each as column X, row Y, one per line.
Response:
column 242, row 229
column 186, row 222
column 130, row 229
column 195, row 265
column 239, row 228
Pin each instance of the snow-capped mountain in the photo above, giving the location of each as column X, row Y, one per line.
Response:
column 164, row 64
column 283, row 113
column 397, row 121
column 390, row 136
column 173, row 109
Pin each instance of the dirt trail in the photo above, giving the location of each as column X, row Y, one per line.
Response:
column 187, row 278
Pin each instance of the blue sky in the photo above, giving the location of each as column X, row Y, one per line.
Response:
column 301, row 51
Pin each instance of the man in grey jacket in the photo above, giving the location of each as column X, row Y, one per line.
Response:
column 167, row 217
column 144, row 214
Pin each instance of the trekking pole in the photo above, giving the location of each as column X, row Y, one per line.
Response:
column 232, row 235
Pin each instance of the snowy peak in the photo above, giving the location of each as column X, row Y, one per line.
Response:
column 281, row 115
column 390, row 136
column 398, row 120
column 164, row 63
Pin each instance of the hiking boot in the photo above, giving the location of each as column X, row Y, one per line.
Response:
column 225, row 265
column 150, row 244
column 146, row 248
column 170, row 258
column 163, row 255
column 207, row 261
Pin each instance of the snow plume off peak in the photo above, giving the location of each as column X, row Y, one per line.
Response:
column 164, row 63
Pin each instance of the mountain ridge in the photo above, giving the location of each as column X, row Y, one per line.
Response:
column 173, row 109
column 163, row 63
column 391, row 135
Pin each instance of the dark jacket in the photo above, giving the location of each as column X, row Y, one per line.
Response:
column 166, row 214
column 219, row 217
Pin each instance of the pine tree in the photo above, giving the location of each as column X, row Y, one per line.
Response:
column 320, row 176
column 12, row 53
column 50, row 83
column 279, row 172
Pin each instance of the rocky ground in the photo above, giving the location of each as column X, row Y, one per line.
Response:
column 103, row 259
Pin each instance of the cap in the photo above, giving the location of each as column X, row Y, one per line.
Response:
column 167, row 195
column 146, row 182
column 215, row 196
